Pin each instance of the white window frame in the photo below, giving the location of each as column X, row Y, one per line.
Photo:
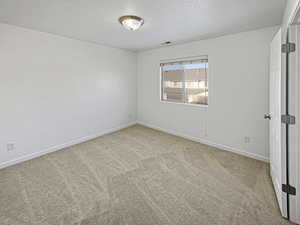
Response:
column 178, row 60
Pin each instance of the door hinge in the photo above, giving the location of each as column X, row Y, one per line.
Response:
column 288, row 189
column 288, row 47
column 288, row 119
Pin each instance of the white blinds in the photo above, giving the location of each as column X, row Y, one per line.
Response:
column 203, row 59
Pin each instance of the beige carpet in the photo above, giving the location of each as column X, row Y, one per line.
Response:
column 138, row 176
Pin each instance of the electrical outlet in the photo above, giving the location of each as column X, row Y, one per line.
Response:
column 247, row 140
column 10, row 147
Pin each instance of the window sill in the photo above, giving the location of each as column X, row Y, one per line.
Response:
column 185, row 104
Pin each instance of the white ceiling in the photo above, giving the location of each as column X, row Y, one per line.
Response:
column 165, row 20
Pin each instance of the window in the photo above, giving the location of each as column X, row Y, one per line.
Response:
column 185, row 81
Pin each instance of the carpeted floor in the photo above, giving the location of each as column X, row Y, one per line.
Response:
column 138, row 176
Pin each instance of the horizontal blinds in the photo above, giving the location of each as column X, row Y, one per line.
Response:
column 175, row 75
column 195, row 74
column 185, row 62
column 190, row 75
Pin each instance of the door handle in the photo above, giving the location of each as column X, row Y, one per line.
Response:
column 267, row 116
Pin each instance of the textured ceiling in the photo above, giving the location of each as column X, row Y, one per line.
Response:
column 165, row 20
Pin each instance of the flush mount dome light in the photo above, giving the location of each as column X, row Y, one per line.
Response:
column 131, row 22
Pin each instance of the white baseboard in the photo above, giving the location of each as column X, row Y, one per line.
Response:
column 90, row 137
column 207, row 142
column 62, row 146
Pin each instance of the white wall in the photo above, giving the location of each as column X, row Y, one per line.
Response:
column 56, row 91
column 238, row 92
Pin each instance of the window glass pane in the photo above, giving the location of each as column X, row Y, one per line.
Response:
column 196, row 84
column 173, row 84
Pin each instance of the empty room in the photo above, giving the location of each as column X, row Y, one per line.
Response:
column 143, row 112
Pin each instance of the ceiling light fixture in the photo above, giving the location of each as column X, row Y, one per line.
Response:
column 131, row 22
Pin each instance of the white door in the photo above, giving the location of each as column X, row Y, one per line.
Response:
column 275, row 118
column 294, row 130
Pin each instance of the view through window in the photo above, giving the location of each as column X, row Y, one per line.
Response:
column 185, row 81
